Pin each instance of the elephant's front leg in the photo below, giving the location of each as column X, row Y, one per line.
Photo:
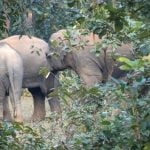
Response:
column 39, row 104
column 6, row 110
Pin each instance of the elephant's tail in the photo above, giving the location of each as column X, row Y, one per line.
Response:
column 15, row 74
column 12, row 86
column 15, row 78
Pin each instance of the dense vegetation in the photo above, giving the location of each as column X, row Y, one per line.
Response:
column 111, row 116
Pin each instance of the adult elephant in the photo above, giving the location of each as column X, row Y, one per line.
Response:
column 33, row 50
column 11, row 75
column 79, row 57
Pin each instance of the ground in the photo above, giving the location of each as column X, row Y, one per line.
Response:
column 50, row 128
column 27, row 107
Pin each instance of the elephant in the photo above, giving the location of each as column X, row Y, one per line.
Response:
column 80, row 58
column 11, row 76
column 33, row 52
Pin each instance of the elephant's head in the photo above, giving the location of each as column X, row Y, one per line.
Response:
column 60, row 56
column 64, row 54
column 59, row 60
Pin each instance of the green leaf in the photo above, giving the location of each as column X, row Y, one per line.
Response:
column 72, row 113
column 71, row 3
column 125, row 67
column 123, row 59
column 147, row 146
column 118, row 25
column 44, row 71
column 106, row 122
column 54, row 43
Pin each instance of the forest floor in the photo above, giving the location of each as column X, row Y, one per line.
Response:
column 27, row 107
column 50, row 128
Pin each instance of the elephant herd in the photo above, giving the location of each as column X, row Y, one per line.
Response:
column 22, row 58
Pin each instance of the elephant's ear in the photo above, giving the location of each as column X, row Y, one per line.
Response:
column 67, row 58
column 63, row 55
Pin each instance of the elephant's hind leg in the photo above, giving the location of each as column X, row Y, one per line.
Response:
column 2, row 98
column 1, row 107
column 6, row 111
column 15, row 97
column 39, row 104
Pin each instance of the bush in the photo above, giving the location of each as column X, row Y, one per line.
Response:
column 111, row 116
column 19, row 137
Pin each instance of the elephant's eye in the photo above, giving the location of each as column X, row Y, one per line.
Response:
column 49, row 55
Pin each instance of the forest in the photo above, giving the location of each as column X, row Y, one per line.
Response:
column 95, row 107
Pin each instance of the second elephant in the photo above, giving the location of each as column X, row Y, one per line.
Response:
column 79, row 57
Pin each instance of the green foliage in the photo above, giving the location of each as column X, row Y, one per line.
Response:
column 137, row 65
column 47, row 17
column 114, row 116
column 50, row 16
column 44, row 71
column 111, row 116
column 17, row 136
column 16, row 12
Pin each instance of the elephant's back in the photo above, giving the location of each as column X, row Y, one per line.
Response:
column 89, row 39
column 26, row 45
column 32, row 50
column 7, row 53
column 9, row 58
